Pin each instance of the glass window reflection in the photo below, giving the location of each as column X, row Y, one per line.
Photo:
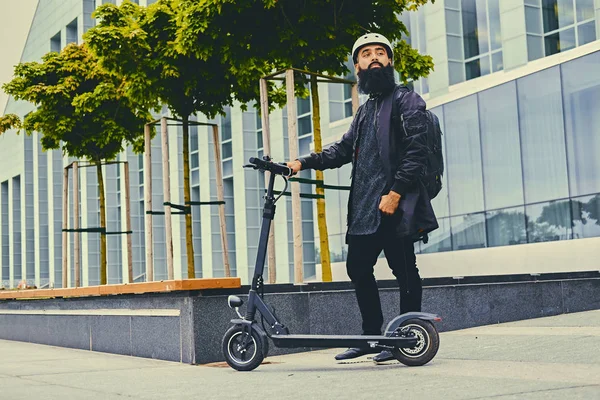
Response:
column 506, row 227
column 549, row 221
column 557, row 14
column 500, row 146
column 468, row 231
column 586, row 32
column 542, row 136
column 440, row 239
column 560, row 41
column 586, row 216
column 463, row 161
column 581, row 84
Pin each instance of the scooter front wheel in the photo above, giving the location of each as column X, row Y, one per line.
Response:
column 243, row 350
column 428, row 342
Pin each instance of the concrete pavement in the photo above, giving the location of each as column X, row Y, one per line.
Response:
column 547, row 358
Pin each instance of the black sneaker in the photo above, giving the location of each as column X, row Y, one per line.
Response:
column 385, row 355
column 355, row 352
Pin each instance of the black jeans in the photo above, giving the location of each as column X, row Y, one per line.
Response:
column 400, row 254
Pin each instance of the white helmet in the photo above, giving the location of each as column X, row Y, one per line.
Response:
column 371, row 38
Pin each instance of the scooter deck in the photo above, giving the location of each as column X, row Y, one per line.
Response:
column 342, row 341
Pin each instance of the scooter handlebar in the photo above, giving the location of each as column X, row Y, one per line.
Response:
column 276, row 168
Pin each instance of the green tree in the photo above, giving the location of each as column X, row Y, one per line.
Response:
column 313, row 35
column 81, row 109
column 139, row 44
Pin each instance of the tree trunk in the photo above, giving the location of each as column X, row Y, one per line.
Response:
column 103, row 254
column 321, row 216
column 187, row 198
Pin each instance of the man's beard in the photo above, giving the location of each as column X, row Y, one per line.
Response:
column 376, row 80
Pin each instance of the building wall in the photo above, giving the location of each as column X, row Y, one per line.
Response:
column 520, row 137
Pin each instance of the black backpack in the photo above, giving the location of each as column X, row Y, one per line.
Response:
column 432, row 176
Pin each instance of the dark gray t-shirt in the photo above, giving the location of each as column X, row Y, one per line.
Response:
column 369, row 178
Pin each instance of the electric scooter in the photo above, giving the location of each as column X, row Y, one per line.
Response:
column 411, row 337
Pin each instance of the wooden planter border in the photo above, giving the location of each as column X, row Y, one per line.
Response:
column 130, row 288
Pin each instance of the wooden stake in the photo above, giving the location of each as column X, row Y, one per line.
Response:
column 128, row 223
column 148, row 204
column 296, row 210
column 65, row 225
column 76, row 235
column 266, row 136
column 355, row 102
column 221, row 197
column 167, row 196
column 321, row 214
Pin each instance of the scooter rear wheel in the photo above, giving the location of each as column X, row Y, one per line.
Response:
column 239, row 356
column 428, row 342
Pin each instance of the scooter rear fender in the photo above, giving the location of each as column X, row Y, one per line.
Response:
column 396, row 322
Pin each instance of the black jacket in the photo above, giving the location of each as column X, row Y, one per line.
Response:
column 401, row 134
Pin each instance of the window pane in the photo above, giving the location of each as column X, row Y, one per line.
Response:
column 456, row 72
column 259, row 140
column 334, row 92
column 193, row 140
column 533, row 21
column 424, row 86
column 439, row 240
column 586, row 33
column 454, row 47
column 304, row 125
column 497, row 62
column 228, row 168
column 547, row 222
column 303, row 105
column 453, row 22
column 227, row 150
column 468, row 231
column 336, row 111
column 581, row 84
column 347, row 109
column 453, row 4
column 226, row 124
column 560, row 41
column 533, row 2
column 542, row 136
column 463, row 156
column 258, row 120
column 194, row 160
column 557, row 14
column 585, row 9
column 304, row 146
column 347, row 89
column 473, row 69
column 535, row 47
column 502, row 174
column 506, row 227
column 485, row 65
column 422, row 30
column 475, row 30
column 586, row 216
column 495, row 32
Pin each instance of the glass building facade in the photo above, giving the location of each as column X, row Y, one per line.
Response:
column 520, row 161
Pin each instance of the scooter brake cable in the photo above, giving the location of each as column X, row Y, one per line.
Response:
column 283, row 191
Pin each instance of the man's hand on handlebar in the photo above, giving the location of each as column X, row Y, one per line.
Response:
column 295, row 166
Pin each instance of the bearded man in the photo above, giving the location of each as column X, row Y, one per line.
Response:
column 388, row 207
